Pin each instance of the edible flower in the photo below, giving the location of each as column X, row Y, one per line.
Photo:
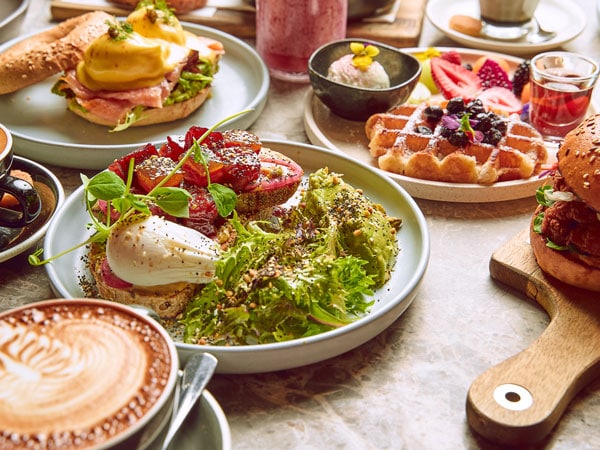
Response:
column 431, row 52
column 463, row 124
column 363, row 55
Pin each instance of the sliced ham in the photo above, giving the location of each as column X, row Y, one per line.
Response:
column 113, row 105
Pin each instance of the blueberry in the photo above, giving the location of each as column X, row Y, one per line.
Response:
column 458, row 139
column 422, row 129
column 433, row 113
column 455, row 105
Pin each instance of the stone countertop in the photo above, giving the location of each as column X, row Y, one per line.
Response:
column 407, row 387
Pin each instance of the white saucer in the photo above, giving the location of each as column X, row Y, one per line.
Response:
column 562, row 16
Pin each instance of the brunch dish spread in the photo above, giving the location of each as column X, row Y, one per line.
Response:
column 45, row 125
column 16, row 241
column 370, row 142
column 566, row 18
column 355, row 295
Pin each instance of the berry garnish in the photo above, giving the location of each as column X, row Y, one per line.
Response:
column 520, row 77
column 491, row 74
column 453, row 80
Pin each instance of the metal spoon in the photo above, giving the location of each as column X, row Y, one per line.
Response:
column 538, row 34
column 197, row 372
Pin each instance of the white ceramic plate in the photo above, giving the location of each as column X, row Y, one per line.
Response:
column 331, row 131
column 12, row 13
column 45, row 131
column 205, row 428
column 53, row 196
column 69, row 229
column 562, row 16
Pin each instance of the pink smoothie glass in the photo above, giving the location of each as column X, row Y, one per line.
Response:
column 288, row 31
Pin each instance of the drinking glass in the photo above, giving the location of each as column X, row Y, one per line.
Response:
column 507, row 19
column 561, row 90
column 289, row 31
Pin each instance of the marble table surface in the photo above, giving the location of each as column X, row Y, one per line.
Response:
column 407, row 387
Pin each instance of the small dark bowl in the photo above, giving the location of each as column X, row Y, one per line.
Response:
column 357, row 103
column 359, row 9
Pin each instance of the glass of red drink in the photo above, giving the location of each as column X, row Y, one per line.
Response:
column 288, row 31
column 561, row 91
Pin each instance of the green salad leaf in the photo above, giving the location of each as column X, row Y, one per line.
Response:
column 287, row 278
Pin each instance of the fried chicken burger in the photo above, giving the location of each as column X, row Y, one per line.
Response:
column 565, row 230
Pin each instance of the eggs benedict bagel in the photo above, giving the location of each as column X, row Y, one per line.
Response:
column 143, row 71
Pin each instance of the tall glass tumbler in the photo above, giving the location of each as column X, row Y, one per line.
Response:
column 289, row 31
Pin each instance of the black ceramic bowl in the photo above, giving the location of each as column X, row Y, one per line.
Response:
column 357, row 103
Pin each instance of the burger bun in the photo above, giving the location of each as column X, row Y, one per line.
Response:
column 579, row 161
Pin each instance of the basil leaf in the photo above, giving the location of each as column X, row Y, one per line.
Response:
column 225, row 198
column 107, row 186
column 173, row 201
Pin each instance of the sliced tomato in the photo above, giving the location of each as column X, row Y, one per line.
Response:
column 152, row 171
column 501, row 101
column 121, row 166
column 232, row 166
column 242, row 138
column 203, row 216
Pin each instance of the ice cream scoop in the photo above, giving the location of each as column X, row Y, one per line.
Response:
column 359, row 69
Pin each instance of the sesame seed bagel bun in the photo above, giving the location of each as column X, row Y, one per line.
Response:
column 50, row 52
column 579, row 161
column 150, row 116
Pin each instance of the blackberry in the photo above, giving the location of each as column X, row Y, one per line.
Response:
column 492, row 136
column 433, row 113
column 422, row 129
column 455, row 105
column 521, row 77
column 458, row 139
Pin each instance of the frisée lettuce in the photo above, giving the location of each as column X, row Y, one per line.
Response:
column 295, row 277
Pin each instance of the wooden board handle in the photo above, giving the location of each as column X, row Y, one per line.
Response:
column 519, row 401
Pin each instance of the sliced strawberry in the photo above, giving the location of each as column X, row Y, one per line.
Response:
column 492, row 74
column 454, row 80
column 452, row 56
column 500, row 100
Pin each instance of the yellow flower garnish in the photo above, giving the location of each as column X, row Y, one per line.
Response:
column 363, row 55
column 431, row 52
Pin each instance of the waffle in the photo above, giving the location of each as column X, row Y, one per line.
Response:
column 399, row 149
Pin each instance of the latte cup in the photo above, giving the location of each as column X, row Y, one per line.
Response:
column 84, row 374
column 507, row 19
column 28, row 205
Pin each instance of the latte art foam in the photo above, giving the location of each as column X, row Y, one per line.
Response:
column 73, row 377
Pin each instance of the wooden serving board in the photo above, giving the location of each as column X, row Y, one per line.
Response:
column 403, row 32
column 519, row 401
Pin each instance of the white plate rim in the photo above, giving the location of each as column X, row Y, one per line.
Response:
column 427, row 189
column 98, row 156
column 26, row 244
column 439, row 12
column 271, row 357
